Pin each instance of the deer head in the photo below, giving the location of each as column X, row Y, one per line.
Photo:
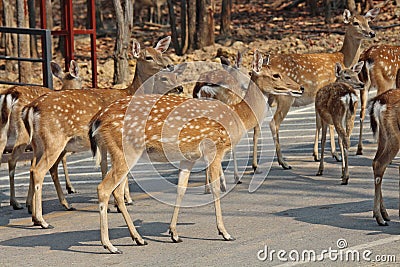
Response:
column 350, row 76
column 360, row 24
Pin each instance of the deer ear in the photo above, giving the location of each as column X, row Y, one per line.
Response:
column 163, row 44
column 358, row 67
column 257, row 61
column 346, row 16
column 239, row 60
column 136, row 48
column 338, row 69
column 56, row 70
column 225, row 62
column 371, row 14
column 74, row 69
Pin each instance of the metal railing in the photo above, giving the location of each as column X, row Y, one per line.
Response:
column 45, row 59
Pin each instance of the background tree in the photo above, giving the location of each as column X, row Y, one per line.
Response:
column 23, row 41
column 124, row 22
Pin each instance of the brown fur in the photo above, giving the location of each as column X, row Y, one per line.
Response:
column 383, row 75
column 58, row 121
column 387, row 117
column 314, row 71
column 213, row 130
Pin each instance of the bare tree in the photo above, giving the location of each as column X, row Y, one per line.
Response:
column 11, row 40
column 226, row 18
column 124, row 21
column 23, row 41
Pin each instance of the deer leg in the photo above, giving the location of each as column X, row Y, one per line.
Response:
column 256, row 135
column 363, row 97
column 18, row 150
column 222, row 180
column 119, row 197
column 68, row 185
column 54, row 175
column 207, row 189
column 29, row 198
column 38, row 171
column 323, row 140
column 280, row 114
column 335, row 155
column 184, row 173
column 318, row 125
column 235, row 168
column 127, row 196
column 214, row 170
column 387, row 150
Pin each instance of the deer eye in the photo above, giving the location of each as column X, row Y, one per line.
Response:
column 355, row 23
column 276, row 76
column 347, row 78
column 149, row 58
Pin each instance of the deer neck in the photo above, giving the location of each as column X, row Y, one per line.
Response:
column 251, row 110
column 136, row 83
column 351, row 49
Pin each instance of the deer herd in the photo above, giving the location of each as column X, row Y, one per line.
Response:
column 125, row 125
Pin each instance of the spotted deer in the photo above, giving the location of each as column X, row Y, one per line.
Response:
column 384, row 110
column 314, row 71
column 336, row 104
column 58, row 122
column 386, row 67
column 158, row 127
column 226, row 85
column 12, row 101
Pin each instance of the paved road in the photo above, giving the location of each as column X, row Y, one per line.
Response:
column 293, row 211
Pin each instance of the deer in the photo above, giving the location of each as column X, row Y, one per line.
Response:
column 154, row 7
column 12, row 101
column 314, row 71
column 336, row 104
column 166, row 133
column 227, row 86
column 383, row 76
column 384, row 120
column 55, row 130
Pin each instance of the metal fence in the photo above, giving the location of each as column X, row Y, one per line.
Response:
column 45, row 59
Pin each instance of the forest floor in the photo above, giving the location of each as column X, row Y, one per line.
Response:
column 256, row 25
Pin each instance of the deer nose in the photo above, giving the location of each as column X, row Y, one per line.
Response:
column 170, row 67
column 302, row 89
column 372, row 34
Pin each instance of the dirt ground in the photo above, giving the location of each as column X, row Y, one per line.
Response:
column 256, row 25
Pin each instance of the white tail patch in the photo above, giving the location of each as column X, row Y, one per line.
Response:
column 378, row 109
column 98, row 157
column 29, row 117
column 209, row 90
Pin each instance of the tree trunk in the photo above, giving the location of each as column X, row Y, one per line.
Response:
column 124, row 19
column 174, row 31
column 32, row 24
column 192, row 14
column 10, row 40
column 313, row 7
column 202, row 24
column 328, row 11
column 226, row 18
column 23, row 41
column 210, row 22
column 184, row 27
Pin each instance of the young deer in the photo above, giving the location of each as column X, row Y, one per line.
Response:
column 384, row 110
column 167, row 133
column 227, row 86
column 383, row 76
column 314, row 71
column 336, row 104
column 58, row 122
column 12, row 101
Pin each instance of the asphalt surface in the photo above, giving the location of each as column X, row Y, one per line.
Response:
column 292, row 213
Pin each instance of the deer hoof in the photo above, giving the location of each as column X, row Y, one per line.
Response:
column 285, row 166
column 113, row 250
column 71, row 190
column 16, row 205
column 130, row 203
column 71, row 209
column 319, row 173
column 175, row 238
column 316, row 159
column 140, row 242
